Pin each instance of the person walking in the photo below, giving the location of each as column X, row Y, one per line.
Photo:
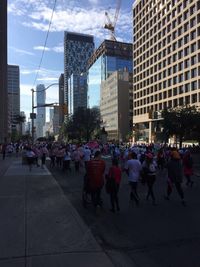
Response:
column 95, row 176
column 149, row 175
column 133, row 168
column 175, row 176
column 44, row 154
column 114, row 179
column 188, row 167
column 30, row 157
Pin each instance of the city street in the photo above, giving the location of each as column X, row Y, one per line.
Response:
column 43, row 222
column 166, row 235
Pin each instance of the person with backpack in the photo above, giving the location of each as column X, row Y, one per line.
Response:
column 113, row 183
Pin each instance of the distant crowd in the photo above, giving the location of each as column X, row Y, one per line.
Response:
column 140, row 162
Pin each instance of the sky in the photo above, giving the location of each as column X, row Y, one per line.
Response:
column 28, row 22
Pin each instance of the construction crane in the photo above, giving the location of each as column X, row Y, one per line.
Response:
column 111, row 25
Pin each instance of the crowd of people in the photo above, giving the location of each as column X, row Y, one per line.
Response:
column 141, row 163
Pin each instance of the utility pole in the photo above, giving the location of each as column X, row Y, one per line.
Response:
column 32, row 115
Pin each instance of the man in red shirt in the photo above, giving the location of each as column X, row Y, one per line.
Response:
column 95, row 173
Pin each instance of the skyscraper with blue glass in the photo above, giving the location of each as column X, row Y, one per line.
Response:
column 78, row 48
column 109, row 57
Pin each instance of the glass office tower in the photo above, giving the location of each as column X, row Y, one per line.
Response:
column 109, row 57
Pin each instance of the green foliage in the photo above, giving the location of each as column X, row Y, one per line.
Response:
column 83, row 124
column 180, row 121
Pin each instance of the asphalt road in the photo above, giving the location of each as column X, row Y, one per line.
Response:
column 166, row 235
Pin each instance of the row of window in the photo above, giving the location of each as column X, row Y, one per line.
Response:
column 144, row 80
column 184, row 88
column 150, row 70
column 187, row 100
column 145, row 13
column 164, row 37
column 159, row 70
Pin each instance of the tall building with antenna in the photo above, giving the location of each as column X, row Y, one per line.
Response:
column 3, row 72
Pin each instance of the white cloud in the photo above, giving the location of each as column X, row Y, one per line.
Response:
column 21, row 51
column 41, row 48
column 57, row 49
column 75, row 19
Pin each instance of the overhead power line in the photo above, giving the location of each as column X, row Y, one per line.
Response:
column 45, row 43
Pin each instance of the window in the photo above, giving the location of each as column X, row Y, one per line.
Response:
column 192, row 22
column 175, row 91
column 186, row 51
column 193, row 47
column 187, row 63
column 180, row 66
column 193, row 85
column 193, row 35
column 181, row 89
column 187, row 87
column 170, row 93
column 187, row 75
column 193, row 60
column 180, row 78
column 187, row 100
column 194, row 98
column 181, row 101
column 193, row 73
column 186, row 39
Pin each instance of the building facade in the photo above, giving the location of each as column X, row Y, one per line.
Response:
column 109, row 57
column 41, row 111
column 166, row 59
column 77, row 92
column 3, row 73
column 77, row 50
column 116, row 95
column 13, row 97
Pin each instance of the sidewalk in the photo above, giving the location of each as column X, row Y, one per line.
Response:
column 38, row 225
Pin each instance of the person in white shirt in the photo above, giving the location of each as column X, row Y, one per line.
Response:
column 133, row 168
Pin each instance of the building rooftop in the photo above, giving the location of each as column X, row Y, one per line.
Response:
column 112, row 48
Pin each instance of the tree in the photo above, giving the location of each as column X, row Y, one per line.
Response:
column 180, row 121
column 83, row 123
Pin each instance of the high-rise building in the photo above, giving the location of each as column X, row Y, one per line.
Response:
column 116, row 93
column 110, row 56
column 41, row 112
column 61, row 99
column 3, row 72
column 77, row 92
column 13, row 96
column 166, row 59
column 77, row 50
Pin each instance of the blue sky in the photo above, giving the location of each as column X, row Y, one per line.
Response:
column 28, row 22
